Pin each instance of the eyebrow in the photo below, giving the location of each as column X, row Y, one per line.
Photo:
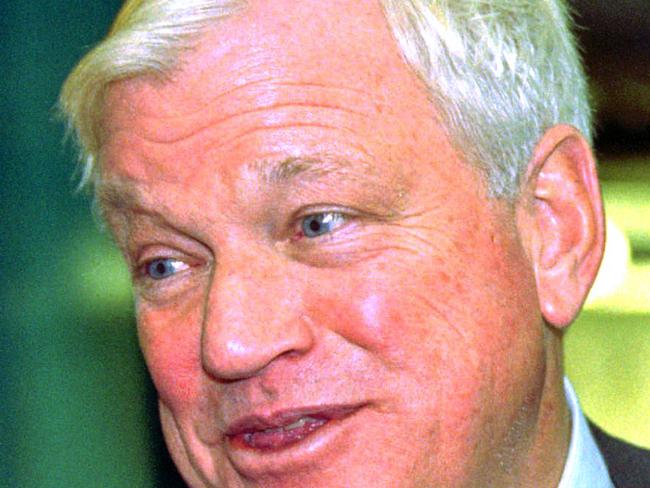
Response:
column 122, row 194
column 118, row 194
column 294, row 167
column 393, row 190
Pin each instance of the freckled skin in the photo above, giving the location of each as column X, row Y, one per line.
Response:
column 426, row 312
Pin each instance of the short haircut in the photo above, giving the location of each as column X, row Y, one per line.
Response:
column 500, row 72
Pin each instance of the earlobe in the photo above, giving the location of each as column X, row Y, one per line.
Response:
column 562, row 223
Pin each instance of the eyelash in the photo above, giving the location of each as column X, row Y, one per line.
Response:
column 178, row 266
column 311, row 223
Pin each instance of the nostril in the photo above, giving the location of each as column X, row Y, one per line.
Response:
column 243, row 350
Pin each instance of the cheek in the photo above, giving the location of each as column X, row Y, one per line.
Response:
column 170, row 342
column 416, row 358
column 382, row 314
column 451, row 324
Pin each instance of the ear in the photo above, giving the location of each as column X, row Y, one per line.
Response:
column 561, row 222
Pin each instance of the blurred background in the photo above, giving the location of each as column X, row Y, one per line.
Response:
column 78, row 409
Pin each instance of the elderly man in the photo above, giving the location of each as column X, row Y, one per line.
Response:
column 357, row 231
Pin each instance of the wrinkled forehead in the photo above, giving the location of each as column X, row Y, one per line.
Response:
column 283, row 80
column 340, row 44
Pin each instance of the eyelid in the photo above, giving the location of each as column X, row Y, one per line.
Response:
column 149, row 254
column 144, row 268
column 191, row 277
column 308, row 211
column 347, row 215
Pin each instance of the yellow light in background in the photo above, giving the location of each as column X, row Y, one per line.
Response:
column 614, row 268
column 100, row 274
column 608, row 348
column 623, row 285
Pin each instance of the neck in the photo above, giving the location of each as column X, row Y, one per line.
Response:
column 546, row 459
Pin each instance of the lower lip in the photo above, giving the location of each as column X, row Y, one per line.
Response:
column 277, row 452
column 273, row 439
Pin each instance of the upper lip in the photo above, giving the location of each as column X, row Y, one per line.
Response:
column 255, row 423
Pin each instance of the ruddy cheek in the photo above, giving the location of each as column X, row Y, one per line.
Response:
column 374, row 318
column 175, row 374
column 173, row 360
column 367, row 318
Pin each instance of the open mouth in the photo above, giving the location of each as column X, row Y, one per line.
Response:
column 283, row 429
column 279, row 437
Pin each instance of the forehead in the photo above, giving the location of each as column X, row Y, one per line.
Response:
column 280, row 80
column 343, row 49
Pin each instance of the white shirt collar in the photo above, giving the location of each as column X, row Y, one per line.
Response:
column 585, row 466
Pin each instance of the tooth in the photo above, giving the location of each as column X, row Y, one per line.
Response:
column 298, row 423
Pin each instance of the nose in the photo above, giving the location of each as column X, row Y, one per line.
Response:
column 252, row 318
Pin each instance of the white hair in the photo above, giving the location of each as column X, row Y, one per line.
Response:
column 500, row 72
column 147, row 39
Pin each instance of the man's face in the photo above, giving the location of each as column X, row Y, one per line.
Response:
column 325, row 294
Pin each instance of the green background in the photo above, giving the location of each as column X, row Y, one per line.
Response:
column 78, row 409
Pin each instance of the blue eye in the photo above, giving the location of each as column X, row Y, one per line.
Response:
column 321, row 223
column 159, row 269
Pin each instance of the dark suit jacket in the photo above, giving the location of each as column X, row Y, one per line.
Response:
column 628, row 465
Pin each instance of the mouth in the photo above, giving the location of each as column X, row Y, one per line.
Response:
column 285, row 428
